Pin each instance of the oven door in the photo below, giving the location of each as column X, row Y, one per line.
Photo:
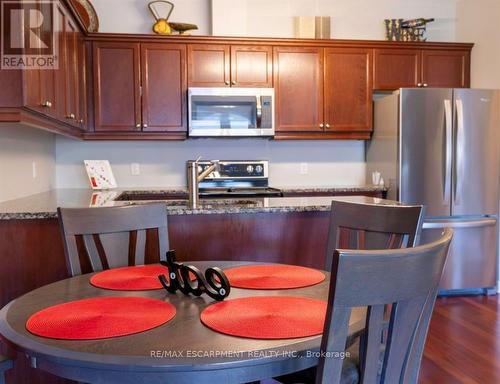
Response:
column 230, row 112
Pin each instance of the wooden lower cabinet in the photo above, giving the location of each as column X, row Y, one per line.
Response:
column 348, row 90
column 299, row 92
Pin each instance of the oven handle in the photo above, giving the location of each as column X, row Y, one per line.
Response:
column 258, row 110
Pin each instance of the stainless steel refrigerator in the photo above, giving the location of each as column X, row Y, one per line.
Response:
column 441, row 148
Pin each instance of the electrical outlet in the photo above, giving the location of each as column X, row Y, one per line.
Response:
column 34, row 169
column 135, row 169
column 304, row 169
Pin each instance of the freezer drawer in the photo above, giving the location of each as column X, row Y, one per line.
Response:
column 472, row 261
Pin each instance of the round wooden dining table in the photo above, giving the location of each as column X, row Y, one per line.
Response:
column 180, row 351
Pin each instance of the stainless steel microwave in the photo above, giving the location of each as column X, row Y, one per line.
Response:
column 230, row 112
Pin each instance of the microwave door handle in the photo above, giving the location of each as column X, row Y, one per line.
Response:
column 258, row 110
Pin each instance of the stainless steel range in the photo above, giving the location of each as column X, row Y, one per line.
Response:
column 228, row 179
column 236, row 178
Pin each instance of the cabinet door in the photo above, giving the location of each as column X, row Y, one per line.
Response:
column 82, row 82
column 251, row 66
column 72, row 99
column 298, row 82
column 348, row 89
column 396, row 68
column 57, row 80
column 117, row 96
column 208, row 65
column 446, row 69
column 164, row 87
column 32, row 91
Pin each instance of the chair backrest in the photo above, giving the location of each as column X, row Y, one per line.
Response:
column 5, row 365
column 97, row 233
column 406, row 278
column 356, row 225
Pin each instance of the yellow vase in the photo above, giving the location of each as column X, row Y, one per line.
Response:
column 162, row 27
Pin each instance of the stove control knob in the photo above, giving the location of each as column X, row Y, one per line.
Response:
column 250, row 168
column 259, row 169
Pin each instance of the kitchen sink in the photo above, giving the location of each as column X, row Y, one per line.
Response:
column 146, row 196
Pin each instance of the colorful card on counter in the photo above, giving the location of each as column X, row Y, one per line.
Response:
column 100, row 174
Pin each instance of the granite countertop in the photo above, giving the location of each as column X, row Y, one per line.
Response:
column 44, row 205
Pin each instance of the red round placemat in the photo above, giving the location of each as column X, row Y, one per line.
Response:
column 267, row 317
column 100, row 318
column 273, row 276
column 139, row 278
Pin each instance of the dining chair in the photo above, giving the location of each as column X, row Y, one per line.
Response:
column 406, row 278
column 5, row 365
column 356, row 225
column 113, row 236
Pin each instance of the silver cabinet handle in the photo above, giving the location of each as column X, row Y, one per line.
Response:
column 258, row 111
column 425, row 85
column 233, row 82
column 327, row 126
column 419, row 84
column 144, row 126
column 71, row 116
column 474, row 223
column 458, row 142
column 138, row 125
column 81, row 121
column 448, row 150
column 322, row 125
column 46, row 104
column 226, row 82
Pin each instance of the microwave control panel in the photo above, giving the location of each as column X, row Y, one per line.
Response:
column 267, row 112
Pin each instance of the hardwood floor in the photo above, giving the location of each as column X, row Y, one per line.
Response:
column 463, row 344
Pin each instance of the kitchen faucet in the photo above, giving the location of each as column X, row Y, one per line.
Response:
column 194, row 177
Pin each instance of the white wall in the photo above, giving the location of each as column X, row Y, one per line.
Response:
column 477, row 22
column 330, row 163
column 350, row 19
column 133, row 16
column 19, row 148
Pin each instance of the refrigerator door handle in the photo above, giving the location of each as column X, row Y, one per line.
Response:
column 473, row 223
column 448, row 150
column 458, row 143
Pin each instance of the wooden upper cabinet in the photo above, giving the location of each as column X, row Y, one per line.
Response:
column 72, row 112
column 298, row 83
column 348, row 89
column 399, row 68
column 251, row 66
column 117, row 99
column 442, row 68
column 208, row 65
column 396, row 68
column 164, row 85
column 82, row 80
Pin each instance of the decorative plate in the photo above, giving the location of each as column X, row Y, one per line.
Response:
column 87, row 14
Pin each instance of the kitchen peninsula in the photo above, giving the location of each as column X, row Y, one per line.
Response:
column 276, row 229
